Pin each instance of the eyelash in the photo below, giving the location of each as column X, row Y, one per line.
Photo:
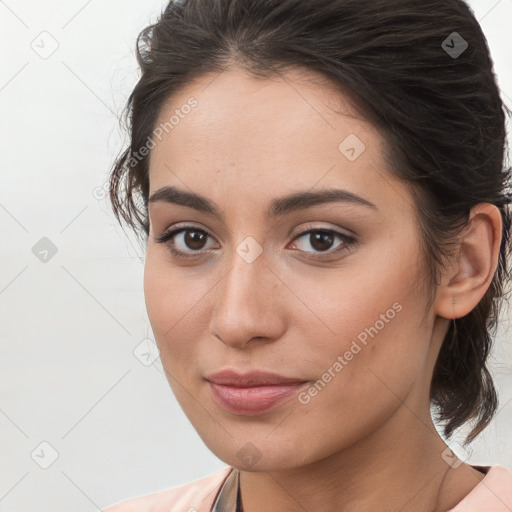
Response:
column 348, row 241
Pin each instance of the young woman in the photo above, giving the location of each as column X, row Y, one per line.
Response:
column 321, row 190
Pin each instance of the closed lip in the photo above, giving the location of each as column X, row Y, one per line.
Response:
column 251, row 379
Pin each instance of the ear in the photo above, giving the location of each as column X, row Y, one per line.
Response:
column 470, row 272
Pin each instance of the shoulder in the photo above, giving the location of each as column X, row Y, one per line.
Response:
column 493, row 492
column 196, row 496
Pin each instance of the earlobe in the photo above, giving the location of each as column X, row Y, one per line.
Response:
column 470, row 273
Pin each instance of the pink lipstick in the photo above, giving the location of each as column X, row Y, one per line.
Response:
column 251, row 393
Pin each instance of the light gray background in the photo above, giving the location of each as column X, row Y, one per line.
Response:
column 71, row 328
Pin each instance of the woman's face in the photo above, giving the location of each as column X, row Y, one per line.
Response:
column 325, row 292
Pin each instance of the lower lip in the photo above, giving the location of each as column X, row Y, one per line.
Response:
column 253, row 400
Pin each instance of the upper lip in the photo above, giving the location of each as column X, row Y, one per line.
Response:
column 250, row 379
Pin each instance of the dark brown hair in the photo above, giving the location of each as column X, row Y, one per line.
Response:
column 419, row 70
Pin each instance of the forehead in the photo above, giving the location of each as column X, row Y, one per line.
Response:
column 286, row 133
column 235, row 105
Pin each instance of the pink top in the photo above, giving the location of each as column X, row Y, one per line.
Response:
column 492, row 494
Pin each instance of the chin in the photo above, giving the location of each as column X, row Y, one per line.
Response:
column 256, row 456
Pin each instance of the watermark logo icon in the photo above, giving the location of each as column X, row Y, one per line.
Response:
column 249, row 249
column 44, row 250
column 352, row 147
column 249, row 454
column 451, row 458
column 45, row 45
column 146, row 352
column 44, row 455
column 454, row 45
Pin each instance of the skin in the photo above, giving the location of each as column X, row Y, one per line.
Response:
column 366, row 441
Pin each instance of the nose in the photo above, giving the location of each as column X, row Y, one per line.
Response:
column 248, row 304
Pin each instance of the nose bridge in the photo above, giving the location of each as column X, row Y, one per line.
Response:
column 244, row 298
column 244, row 284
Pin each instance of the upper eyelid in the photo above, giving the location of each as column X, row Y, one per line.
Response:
column 302, row 231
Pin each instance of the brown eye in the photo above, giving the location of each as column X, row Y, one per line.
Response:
column 183, row 242
column 194, row 239
column 321, row 241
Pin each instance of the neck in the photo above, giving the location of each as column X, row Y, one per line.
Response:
column 398, row 467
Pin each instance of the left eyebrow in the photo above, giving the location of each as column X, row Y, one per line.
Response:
column 307, row 199
column 278, row 207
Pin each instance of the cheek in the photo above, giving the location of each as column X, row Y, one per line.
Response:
column 159, row 294
column 170, row 293
column 172, row 305
column 360, row 386
column 377, row 344
column 368, row 372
